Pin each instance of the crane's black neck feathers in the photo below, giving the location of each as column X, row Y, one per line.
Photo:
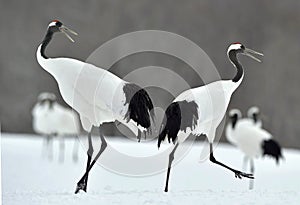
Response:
column 140, row 106
column 178, row 116
column 255, row 117
column 45, row 42
column 50, row 101
column 234, row 120
column 233, row 58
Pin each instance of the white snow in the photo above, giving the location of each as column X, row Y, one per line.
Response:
column 29, row 179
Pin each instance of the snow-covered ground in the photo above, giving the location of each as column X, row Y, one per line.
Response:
column 30, row 179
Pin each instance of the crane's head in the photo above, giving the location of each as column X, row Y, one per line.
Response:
column 253, row 113
column 237, row 47
column 234, row 116
column 48, row 98
column 57, row 26
column 45, row 96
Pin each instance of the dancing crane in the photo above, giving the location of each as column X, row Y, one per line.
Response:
column 200, row 110
column 96, row 94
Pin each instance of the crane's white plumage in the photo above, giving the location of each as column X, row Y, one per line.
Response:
column 96, row 94
column 251, row 120
column 50, row 118
column 93, row 92
column 212, row 101
column 248, row 137
column 200, row 110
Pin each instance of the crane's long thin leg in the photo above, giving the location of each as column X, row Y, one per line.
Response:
column 251, row 183
column 171, row 158
column 238, row 174
column 139, row 135
column 245, row 161
column 61, row 148
column 50, row 146
column 75, row 149
column 45, row 146
column 82, row 182
column 90, row 155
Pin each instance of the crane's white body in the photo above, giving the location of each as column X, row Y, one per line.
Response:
column 212, row 100
column 248, row 137
column 56, row 120
column 96, row 94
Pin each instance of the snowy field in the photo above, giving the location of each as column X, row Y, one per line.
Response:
column 30, row 179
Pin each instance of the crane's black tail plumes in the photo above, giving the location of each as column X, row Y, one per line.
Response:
column 272, row 148
column 140, row 106
column 171, row 123
column 178, row 116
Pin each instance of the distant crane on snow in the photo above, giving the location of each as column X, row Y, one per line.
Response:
column 251, row 139
column 51, row 119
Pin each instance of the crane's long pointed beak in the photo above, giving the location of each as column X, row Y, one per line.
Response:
column 249, row 52
column 65, row 31
column 254, row 52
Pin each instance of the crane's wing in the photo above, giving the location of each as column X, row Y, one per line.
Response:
column 212, row 100
column 96, row 86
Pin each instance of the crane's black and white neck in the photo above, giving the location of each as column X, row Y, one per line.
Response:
column 47, row 98
column 54, row 26
column 234, row 116
column 233, row 50
column 253, row 113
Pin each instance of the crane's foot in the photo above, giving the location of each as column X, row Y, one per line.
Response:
column 239, row 174
column 80, row 186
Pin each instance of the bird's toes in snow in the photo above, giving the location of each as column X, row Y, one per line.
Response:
column 80, row 186
column 239, row 174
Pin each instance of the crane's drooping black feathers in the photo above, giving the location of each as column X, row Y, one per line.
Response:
column 178, row 116
column 140, row 106
column 272, row 148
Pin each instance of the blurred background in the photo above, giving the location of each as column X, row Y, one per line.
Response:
column 271, row 27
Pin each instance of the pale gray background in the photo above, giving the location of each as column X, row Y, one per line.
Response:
column 268, row 26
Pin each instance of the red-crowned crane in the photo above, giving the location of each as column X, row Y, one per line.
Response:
column 253, row 119
column 96, row 94
column 200, row 110
column 50, row 119
column 251, row 139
